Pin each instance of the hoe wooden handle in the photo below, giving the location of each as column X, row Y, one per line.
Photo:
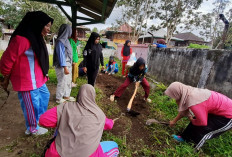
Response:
column 132, row 98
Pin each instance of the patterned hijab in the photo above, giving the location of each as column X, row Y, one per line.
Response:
column 186, row 96
column 80, row 125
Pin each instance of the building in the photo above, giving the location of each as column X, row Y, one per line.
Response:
column 154, row 36
column 82, row 31
column 120, row 34
column 189, row 38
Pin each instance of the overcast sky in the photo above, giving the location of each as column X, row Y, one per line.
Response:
column 206, row 7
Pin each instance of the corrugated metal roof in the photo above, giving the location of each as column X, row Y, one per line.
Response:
column 160, row 34
column 94, row 8
column 97, row 10
column 188, row 36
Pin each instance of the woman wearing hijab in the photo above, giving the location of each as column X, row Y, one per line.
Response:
column 136, row 74
column 212, row 113
column 25, row 63
column 62, row 60
column 93, row 57
column 112, row 66
column 79, row 128
column 125, row 53
column 74, row 43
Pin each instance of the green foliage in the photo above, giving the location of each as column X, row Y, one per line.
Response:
column 197, row 46
column 137, row 13
column 14, row 11
column 173, row 13
column 228, row 44
column 95, row 30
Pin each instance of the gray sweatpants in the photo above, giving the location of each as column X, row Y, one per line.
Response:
column 64, row 84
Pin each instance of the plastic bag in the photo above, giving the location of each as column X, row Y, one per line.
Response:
column 132, row 60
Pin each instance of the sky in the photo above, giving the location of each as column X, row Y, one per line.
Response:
column 206, row 7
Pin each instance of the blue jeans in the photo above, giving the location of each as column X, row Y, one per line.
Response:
column 34, row 103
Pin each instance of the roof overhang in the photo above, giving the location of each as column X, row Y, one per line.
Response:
column 97, row 10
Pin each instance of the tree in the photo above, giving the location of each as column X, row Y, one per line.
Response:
column 137, row 13
column 229, row 34
column 172, row 13
column 95, row 30
column 14, row 11
column 210, row 26
column 51, row 10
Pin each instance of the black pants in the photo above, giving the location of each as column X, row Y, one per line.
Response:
column 92, row 75
column 216, row 125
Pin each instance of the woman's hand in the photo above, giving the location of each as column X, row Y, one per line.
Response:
column 190, row 118
column 85, row 69
column 172, row 123
column 137, row 84
column 66, row 72
column 102, row 68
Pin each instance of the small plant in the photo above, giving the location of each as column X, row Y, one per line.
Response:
column 197, row 46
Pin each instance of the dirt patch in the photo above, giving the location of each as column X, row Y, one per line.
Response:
column 13, row 141
column 134, row 127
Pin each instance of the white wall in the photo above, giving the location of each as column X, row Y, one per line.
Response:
column 4, row 44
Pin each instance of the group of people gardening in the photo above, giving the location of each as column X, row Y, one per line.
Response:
column 79, row 122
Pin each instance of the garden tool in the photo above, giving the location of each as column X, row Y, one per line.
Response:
column 129, row 111
column 131, row 100
column 122, row 114
column 151, row 121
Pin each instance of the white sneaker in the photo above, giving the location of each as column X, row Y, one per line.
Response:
column 112, row 97
column 147, row 100
column 27, row 132
column 70, row 99
column 60, row 101
column 74, row 85
column 41, row 131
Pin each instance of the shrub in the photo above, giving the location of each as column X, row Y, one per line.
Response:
column 197, row 46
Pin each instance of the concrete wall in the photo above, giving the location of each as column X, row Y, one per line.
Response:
column 200, row 68
column 140, row 50
column 4, row 44
column 109, row 52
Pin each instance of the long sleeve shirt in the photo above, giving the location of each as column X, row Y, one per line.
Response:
column 93, row 58
column 217, row 104
column 111, row 68
column 20, row 62
column 74, row 48
column 125, row 58
column 136, row 78
column 49, row 120
column 60, row 51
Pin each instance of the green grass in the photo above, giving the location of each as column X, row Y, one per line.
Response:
column 197, row 46
column 162, row 108
column 165, row 109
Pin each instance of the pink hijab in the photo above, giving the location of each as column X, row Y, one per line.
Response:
column 80, row 125
column 186, row 96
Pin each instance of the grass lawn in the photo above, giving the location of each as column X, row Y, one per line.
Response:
column 166, row 109
column 161, row 108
